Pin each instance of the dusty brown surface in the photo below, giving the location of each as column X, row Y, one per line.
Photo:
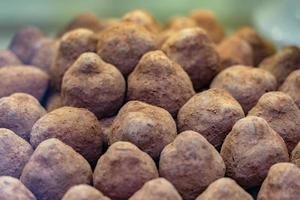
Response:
column 282, row 114
column 105, row 124
column 71, row 46
column 149, row 127
column 261, row 48
column 190, row 163
column 14, row 153
column 53, row 102
column 295, row 156
column 211, row 113
column 84, row 192
column 157, row 189
column 282, row 183
column 26, row 79
column 123, row 44
column 159, row 81
column 291, row 86
column 8, row 58
column 76, row 127
column 19, row 112
column 245, row 84
column 94, row 84
column 250, row 149
column 196, row 54
column 207, row 20
column 282, row 63
column 224, row 189
column 24, row 42
column 13, row 189
column 122, row 170
column 53, row 168
column 234, row 51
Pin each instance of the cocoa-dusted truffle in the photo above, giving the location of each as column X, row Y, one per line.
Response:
column 208, row 21
column 13, row 189
column 19, row 112
column 282, row 183
column 190, row 163
column 84, row 192
column 282, row 63
column 192, row 49
column 76, row 127
column 234, row 51
column 149, row 127
column 8, row 58
column 54, row 101
column 26, row 79
column 123, row 44
column 24, row 42
column 85, row 20
column 211, row 113
column 155, row 189
column 261, row 48
column 44, row 54
column 142, row 18
column 14, row 153
column 245, row 84
column 159, row 81
column 224, row 189
column 122, row 170
column 72, row 45
column 93, row 84
column 295, row 155
column 282, row 114
column 250, row 149
column 291, row 86
column 53, row 168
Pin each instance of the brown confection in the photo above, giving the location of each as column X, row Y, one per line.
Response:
column 291, row 86
column 53, row 102
column 84, row 192
column 295, row 155
column 8, row 58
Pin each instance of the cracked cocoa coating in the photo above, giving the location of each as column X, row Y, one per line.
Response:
column 291, row 86
column 260, row 47
column 295, row 155
column 190, row 163
column 142, row 18
column 282, row 63
column 84, row 192
column 85, row 20
column 19, row 112
column 208, row 21
column 245, row 84
column 149, row 127
column 24, row 42
column 250, row 149
column 211, row 113
column 13, row 189
column 8, row 58
column 122, row 170
column 54, row 101
column 14, row 153
column 76, row 127
column 282, row 183
column 94, row 84
column 282, row 114
column 53, row 168
column 159, row 81
column 224, row 189
column 25, row 79
column 71, row 46
column 44, row 54
column 123, row 44
column 196, row 54
column 155, row 189
column 234, row 51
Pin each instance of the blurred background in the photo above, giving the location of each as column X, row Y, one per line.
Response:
column 278, row 20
